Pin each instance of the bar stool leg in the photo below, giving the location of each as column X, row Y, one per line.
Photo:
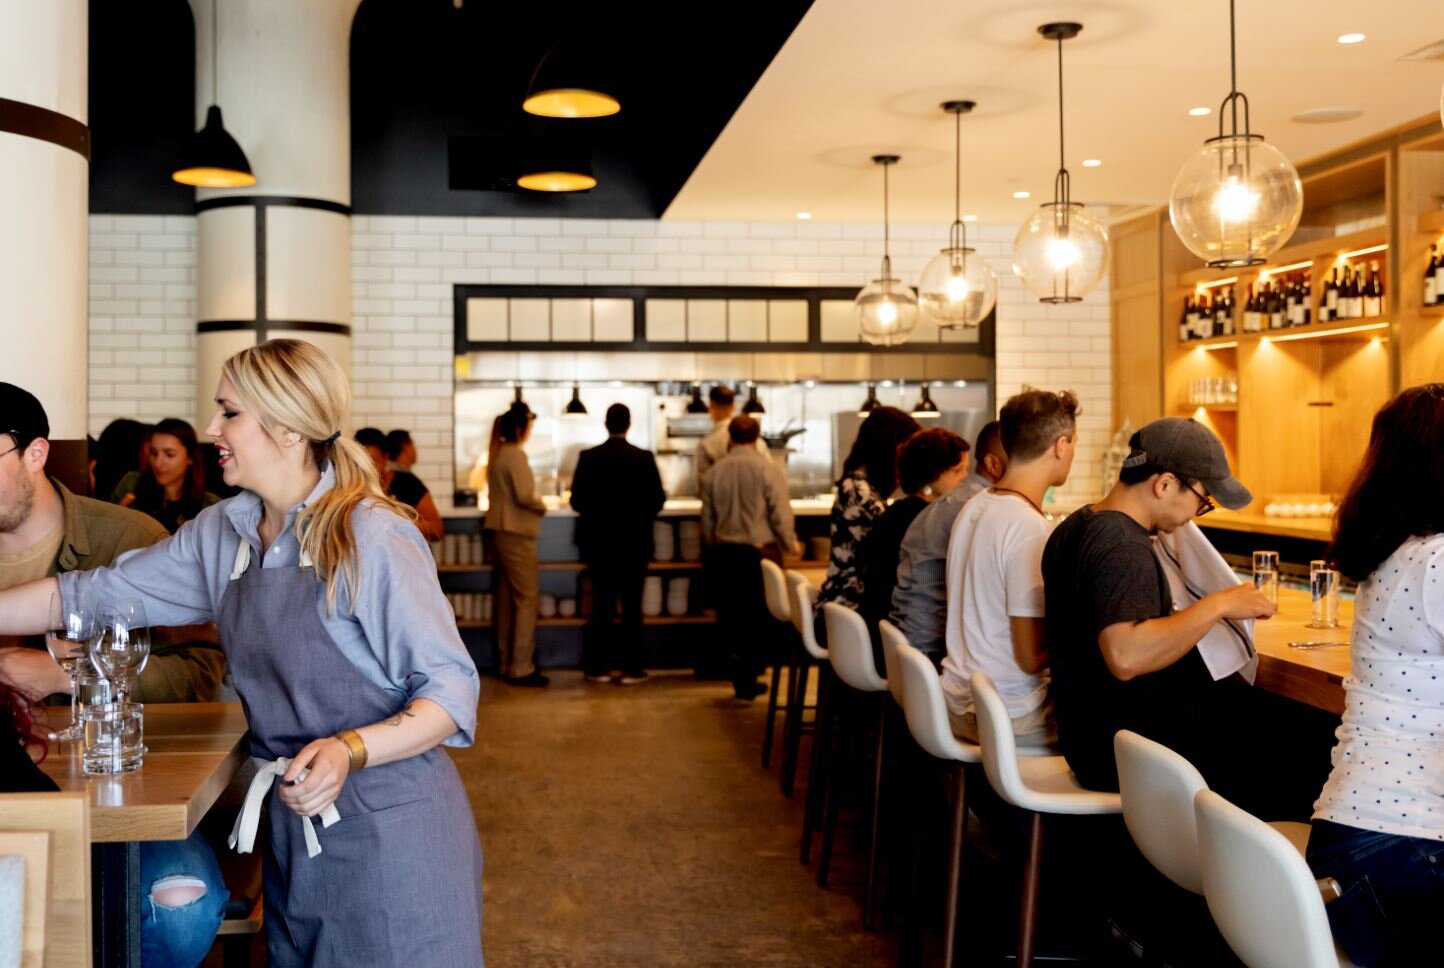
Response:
column 1028, row 908
column 767, row 732
column 792, row 722
column 957, row 844
column 817, row 765
column 869, row 897
column 832, row 795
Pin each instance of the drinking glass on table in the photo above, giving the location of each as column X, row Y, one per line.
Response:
column 1266, row 574
column 69, row 631
column 121, row 644
column 1324, row 591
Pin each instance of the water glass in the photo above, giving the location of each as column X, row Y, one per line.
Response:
column 114, row 738
column 1266, row 574
column 1324, row 589
column 92, row 689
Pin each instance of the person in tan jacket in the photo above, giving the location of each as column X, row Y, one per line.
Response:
column 513, row 515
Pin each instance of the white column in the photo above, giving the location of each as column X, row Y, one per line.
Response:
column 274, row 259
column 44, row 194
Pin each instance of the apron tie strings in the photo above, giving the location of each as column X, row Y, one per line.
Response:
column 243, row 835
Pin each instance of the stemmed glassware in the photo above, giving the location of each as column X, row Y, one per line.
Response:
column 69, row 632
column 121, row 644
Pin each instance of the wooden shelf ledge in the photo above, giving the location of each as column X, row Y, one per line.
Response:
column 1311, row 251
column 1430, row 222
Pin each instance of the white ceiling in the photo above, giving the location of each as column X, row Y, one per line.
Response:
column 860, row 77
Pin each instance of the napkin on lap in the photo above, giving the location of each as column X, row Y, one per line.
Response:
column 1195, row 569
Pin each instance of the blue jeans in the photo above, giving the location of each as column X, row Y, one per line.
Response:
column 1393, row 891
column 179, row 936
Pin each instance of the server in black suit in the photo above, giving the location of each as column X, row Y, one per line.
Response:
column 616, row 493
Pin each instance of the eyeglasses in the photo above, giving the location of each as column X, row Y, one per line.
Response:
column 1205, row 502
column 13, row 435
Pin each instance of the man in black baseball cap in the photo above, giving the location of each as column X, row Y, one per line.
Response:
column 1122, row 656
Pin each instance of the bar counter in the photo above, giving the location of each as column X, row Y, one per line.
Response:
column 675, row 507
column 1312, row 676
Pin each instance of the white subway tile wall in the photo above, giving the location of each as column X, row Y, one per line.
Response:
column 404, row 267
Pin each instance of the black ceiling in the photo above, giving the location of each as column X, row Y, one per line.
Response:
column 436, row 121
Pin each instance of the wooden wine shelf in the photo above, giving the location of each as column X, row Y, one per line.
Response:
column 1432, row 222
column 1432, row 312
column 1365, row 328
column 1310, row 251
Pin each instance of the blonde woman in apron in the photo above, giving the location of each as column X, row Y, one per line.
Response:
column 347, row 661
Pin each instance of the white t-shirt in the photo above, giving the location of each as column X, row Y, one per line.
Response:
column 1389, row 764
column 995, row 571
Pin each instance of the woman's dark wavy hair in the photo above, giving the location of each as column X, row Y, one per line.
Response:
column 874, row 452
column 927, row 454
column 1398, row 492
column 148, row 492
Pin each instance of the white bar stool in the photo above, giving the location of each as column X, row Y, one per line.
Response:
column 1038, row 784
column 892, row 637
column 849, row 647
column 1261, row 892
column 804, row 601
column 794, row 721
column 774, row 587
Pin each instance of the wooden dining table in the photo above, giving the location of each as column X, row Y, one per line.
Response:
column 194, row 751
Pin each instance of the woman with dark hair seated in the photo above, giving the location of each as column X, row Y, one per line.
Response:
column 172, row 488
column 869, row 476
column 930, row 464
column 1378, row 825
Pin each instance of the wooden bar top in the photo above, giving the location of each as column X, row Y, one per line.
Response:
column 195, row 749
column 1312, row 529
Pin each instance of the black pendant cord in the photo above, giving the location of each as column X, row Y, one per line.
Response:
column 1231, row 102
column 215, row 53
column 958, row 233
column 1062, row 184
column 886, row 258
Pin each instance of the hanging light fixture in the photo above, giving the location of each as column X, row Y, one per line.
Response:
column 871, row 403
column 212, row 158
column 925, row 406
column 696, row 404
column 555, row 90
column 957, row 289
column 753, row 405
column 1062, row 251
column 1238, row 199
column 556, row 165
column 575, row 408
column 887, row 310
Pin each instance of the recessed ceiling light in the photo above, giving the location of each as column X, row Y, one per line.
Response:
column 804, row 215
column 1091, row 163
column 1351, row 38
column 970, row 218
column 1200, row 112
column 1022, row 194
column 1326, row 115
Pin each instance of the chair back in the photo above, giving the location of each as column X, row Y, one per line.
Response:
column 1260, row 891
column 774, row 586
column 804, row 600
column 891, row 637
column 850, row 648
column 926, row 710
column 1000, row 746
column 1158, row 788
column 63, row 923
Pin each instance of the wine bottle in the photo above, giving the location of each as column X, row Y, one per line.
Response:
column 1223, row 314
column 1439, row 280
column 1329, row 311
column 1346, row 294
column 1373, row 292
column 1291, row 302
column 1431, row 294
column 1308, row 301
column 1185, row 325
column 1276, row 308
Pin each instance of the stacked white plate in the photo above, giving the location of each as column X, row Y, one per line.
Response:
column 652, row 595
column 677, row 590
column 567, row 607
column 690, row 538
column 548, row 606
column 664, row 540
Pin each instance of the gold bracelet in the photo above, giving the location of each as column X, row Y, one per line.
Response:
column 355, row 748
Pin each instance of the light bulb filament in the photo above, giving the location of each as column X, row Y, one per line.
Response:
column 957, row 287
column 1235, row 202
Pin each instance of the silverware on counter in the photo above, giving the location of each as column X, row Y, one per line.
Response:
column 1316, row 645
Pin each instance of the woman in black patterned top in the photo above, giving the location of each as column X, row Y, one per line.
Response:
column 869, row 476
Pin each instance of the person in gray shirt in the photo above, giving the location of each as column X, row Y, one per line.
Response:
column 920, row 600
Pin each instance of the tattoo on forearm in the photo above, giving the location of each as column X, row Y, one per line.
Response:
column 396, row 720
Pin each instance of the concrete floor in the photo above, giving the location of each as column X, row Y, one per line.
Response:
column 635, row 826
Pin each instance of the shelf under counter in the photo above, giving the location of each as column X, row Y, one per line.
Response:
column 1309, row 529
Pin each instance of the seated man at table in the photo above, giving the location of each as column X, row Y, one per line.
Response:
column 46, row 530
column 1123, row 658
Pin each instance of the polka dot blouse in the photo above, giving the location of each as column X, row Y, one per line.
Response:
column 1388, row 771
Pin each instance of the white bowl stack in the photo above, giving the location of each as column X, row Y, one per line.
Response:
column 690, row 539
column 677, row 590
column 652, row 595
column 664, row 540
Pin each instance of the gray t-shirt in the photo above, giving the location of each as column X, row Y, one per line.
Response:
column 920, row 600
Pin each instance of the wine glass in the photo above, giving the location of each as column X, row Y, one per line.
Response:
column 121, row 644
column 69, row 630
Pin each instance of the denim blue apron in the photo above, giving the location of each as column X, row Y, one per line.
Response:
column 398, row 878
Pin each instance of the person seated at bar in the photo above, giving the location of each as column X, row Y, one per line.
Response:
column 45, row 531
column 616, row 492
column 721, row 404
column 400, row 450
column 119, row 452
column 1378, row 825
column 920, row 600
column 172, row 488
column 1123, row 658
column 929, row 467
column 869, row 477
column 404, row 486
column 746, row 516
column 995, row 619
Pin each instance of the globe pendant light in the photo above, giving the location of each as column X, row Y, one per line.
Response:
column 575, row 408
column 871, row 403
column 925, row 406
column 1238, row 199
column 212, row 158
column 957, row 288
column 753, row 405
column 1061, row 252
column 887, row 310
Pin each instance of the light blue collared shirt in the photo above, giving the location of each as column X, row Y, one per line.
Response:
column 400, row 631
